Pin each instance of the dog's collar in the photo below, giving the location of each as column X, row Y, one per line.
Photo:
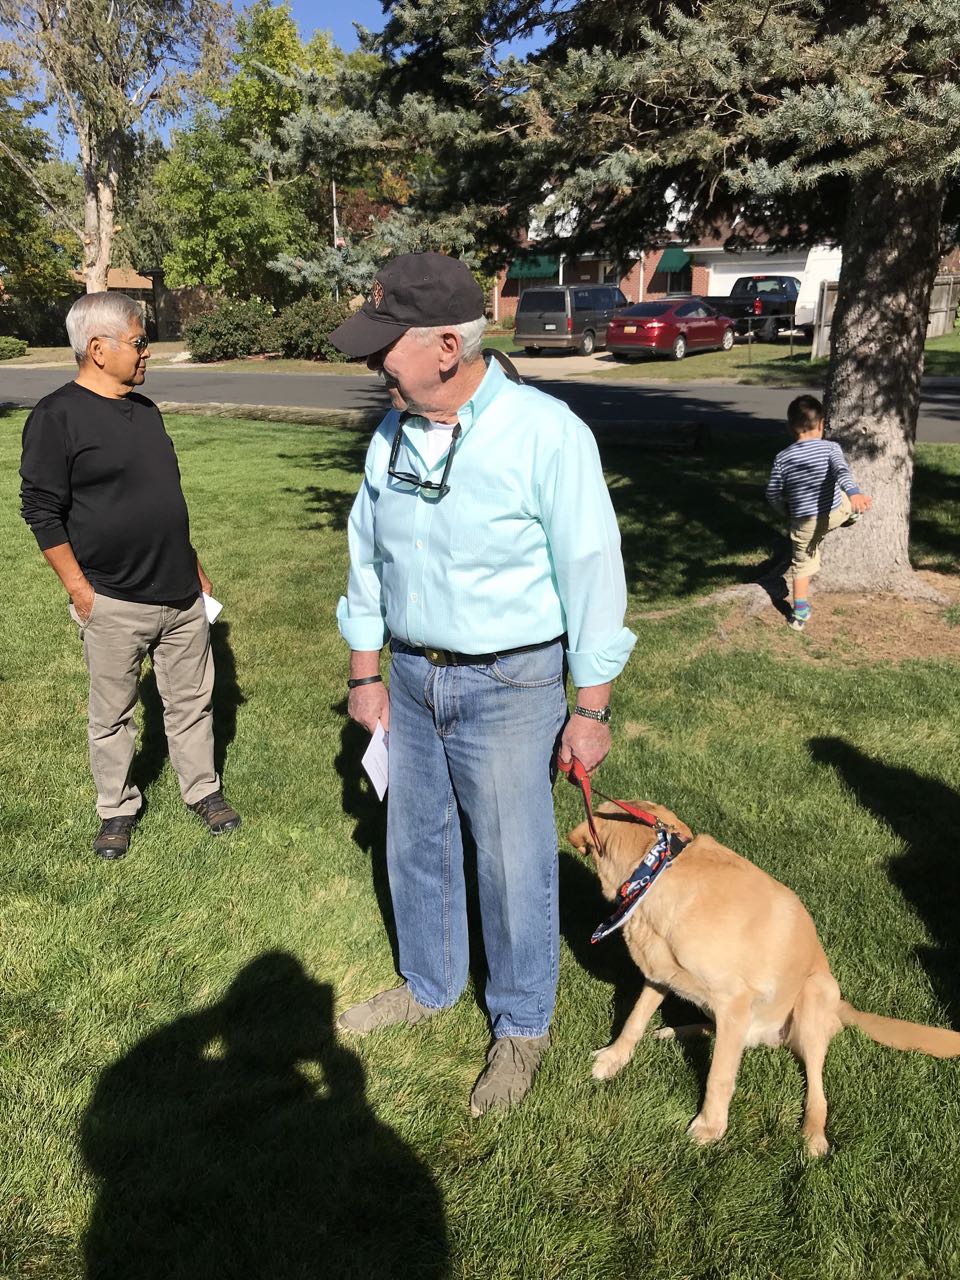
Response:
column 637, row 884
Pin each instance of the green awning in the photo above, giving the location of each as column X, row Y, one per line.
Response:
column 673, row 259
column 540, row 266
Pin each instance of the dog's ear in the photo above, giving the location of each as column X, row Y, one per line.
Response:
column 581, row 839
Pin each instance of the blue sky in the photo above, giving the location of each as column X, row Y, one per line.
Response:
column 338, row 19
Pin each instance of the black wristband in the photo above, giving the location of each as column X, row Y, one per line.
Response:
column 355, row 684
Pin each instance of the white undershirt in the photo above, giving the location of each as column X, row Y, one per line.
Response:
column 434, row 439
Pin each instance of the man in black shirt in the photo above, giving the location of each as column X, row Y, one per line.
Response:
column 101, row 492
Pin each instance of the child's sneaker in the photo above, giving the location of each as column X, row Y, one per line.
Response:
column 800, row 616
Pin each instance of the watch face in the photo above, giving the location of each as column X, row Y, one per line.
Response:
column 605, row 716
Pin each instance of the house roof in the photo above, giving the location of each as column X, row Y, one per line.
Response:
column 121, row 279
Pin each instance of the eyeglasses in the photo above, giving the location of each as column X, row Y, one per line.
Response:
column 409, row 478
column 140, row 344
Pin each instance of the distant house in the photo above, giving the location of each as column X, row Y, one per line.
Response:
column 165, row 311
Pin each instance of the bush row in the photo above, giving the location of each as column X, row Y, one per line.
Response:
column 247, row 328
column 11, row 347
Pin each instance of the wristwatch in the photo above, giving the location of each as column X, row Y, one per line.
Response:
column 603, row 715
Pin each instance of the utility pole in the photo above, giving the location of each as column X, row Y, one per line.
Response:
column 336, row 230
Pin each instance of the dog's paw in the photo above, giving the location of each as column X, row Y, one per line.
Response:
column 703, row 1131
column 817, row 1145
column 607, row 1062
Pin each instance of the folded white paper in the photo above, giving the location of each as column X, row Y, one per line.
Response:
column 213, row 608
column 375, row 760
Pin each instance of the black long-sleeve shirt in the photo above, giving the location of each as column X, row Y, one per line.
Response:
column 102, row 475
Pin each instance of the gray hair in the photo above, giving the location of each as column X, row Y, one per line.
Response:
column 100, row 315
column 471, row 336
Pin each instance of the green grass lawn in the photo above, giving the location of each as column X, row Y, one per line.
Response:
column 174, row 1103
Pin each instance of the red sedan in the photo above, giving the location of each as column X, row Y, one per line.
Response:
column 669, row 327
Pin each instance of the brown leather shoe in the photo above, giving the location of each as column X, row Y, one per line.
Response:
column 216, row 813
column 113, row 839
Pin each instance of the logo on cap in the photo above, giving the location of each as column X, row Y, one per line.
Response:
column 377, row 294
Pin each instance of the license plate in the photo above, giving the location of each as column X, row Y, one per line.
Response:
column 549, row 326
column 629, row 328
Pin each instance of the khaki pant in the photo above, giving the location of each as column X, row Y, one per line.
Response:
column 807, row 535
column 116, row 638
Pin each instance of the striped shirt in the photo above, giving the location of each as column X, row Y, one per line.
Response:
column 807, row 477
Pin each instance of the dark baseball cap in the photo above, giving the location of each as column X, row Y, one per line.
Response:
column 412, row 291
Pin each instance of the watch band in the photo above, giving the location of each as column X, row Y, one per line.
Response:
column 355, row 684
column 602, row 715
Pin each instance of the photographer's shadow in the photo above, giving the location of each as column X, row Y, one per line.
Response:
column 236, row 1143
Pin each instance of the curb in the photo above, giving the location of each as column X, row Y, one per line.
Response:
column 357, row 419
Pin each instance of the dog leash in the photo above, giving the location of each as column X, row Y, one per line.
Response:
column 666, row 847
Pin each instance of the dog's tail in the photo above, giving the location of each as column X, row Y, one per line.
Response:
column 934, row 1041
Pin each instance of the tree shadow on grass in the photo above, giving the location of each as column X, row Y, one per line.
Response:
column 925, row 814
column 934, row 527
column 691, row 523
column 237, row 1142
column 227, row 699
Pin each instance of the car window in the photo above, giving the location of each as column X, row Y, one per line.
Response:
column 645, row 309
column 688, row 309
column 619, row 298
column 542, row 300
column 583, row 300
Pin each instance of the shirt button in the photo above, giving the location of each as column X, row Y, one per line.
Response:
column 413, row 596
column 419, row 545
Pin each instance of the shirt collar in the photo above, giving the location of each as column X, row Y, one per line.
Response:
column 489, row 388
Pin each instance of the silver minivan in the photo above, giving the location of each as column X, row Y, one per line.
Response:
column 566, row 317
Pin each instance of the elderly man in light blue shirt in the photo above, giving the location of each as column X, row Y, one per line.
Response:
column 484, row 549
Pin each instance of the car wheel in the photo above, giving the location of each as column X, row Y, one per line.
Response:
column 727, row 340
column 587, row 344
column 770, row 331
column 679, row 348
column 531, row 351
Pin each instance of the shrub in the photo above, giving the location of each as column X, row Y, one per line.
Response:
column 301, row 330
column 12, row 347
column 233, row 328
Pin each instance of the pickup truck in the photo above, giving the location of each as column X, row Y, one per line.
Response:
column 762, row 305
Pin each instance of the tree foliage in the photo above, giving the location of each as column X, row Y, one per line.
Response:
column 108, row 67
column 813, row 121
column 34, row 266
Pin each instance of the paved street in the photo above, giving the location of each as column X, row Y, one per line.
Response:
column 718, row 406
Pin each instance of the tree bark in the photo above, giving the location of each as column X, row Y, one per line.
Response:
column 891, row 250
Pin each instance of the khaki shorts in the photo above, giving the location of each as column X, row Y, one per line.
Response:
column 807, row 535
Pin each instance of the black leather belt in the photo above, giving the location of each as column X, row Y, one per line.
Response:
column 447, row 658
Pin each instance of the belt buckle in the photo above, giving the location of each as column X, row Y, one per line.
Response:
column 436, row 657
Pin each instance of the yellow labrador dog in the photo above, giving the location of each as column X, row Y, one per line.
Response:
column 723, row 934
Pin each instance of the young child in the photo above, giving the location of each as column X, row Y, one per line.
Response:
column 812, row 485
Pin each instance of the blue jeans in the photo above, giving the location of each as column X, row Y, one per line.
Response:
column 474, row 745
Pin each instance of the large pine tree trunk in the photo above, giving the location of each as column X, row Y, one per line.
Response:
column 891, row 249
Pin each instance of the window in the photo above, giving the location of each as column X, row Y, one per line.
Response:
column 583, row 300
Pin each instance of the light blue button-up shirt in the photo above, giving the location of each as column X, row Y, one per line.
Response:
column 524, row 546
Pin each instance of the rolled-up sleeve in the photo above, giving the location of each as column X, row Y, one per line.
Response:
column 45, row 478
column 361, row 613
column 584, row 543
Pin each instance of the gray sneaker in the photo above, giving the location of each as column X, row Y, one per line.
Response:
column 385, row 1009
column 511, row 1065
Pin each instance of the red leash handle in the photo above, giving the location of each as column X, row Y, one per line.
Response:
column 577, row 774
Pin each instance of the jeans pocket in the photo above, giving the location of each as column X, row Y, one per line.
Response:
column 534, row 669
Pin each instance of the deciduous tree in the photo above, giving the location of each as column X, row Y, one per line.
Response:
column 109, row 67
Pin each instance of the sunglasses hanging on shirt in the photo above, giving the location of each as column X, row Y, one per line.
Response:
column 408, row 477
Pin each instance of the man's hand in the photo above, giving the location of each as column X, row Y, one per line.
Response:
column 206, row 586
column 860, row 502
column 82, row 598
column 588, row 740
column 368, row 704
